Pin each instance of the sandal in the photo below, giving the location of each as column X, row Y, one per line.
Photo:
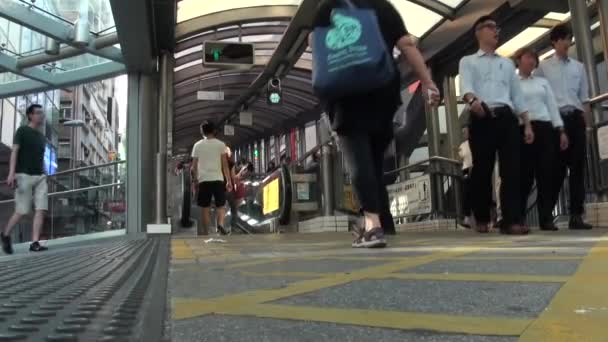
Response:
column 373, row 238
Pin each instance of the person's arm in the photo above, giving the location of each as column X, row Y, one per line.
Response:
column 519, row 102
column 12, row 166
column 226, row 170
column 414, row 58
column 551, row 104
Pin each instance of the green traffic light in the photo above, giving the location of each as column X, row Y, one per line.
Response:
column 256, row 153
column 275, row 98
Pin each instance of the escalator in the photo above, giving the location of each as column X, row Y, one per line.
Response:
column 266, row 205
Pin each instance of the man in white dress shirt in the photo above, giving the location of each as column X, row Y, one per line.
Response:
column 568, row 80
column 493, row 91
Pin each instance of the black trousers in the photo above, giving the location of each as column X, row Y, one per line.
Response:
column 572, row 160
column 499, row 133
column 364, row 154
column 467, row 193
column 538, row 163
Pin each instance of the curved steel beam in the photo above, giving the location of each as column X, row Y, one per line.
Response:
column 208, row 22
column 261, row 107
column 230, row 33
column 63, row 79
column 292, row 90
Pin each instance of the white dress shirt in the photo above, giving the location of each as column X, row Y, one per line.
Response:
column 540, row 100
column 493, row 80
column 568, row 80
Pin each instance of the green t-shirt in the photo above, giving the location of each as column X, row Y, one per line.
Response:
column 30, row 158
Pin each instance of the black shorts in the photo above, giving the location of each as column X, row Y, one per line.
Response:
column 206, row 190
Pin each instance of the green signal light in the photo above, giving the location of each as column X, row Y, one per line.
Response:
column 275, row 98
column 217, row 53
column 256, row 153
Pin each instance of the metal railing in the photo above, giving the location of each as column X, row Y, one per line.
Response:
column 78, row 204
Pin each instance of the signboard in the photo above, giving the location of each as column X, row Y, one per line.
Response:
column 271, row 197
column 410, row 198
column 246, row 118
column 228, row 130
column 602, row 142
column 210, row 95
column 303, row 191
column 228, row 54
column 350, row 201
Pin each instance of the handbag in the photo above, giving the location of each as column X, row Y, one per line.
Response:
column 350, row 56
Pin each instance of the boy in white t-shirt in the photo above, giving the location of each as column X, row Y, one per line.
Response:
column 210, row 171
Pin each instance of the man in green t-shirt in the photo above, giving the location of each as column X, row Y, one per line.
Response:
column 27, row 177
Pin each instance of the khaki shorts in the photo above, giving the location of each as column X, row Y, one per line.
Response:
column 31, row 190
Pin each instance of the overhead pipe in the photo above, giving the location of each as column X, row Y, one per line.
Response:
column 65, row 52
column 82, row 34
column 51, row 46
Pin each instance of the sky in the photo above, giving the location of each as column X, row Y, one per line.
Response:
column 122, row 85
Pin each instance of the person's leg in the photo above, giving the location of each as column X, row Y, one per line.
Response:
column 204, row 201
column 41, row 203
column 357, row 151
column 23, row 205
column 483, row 150
column 527, row 170
column 12, row 222
column 379, row 144
column 577, row 159
column 509, row 166
column 219, row 194
column 544, row 159
column 561, row 164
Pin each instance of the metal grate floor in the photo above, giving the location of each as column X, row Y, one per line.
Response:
column 100, row 292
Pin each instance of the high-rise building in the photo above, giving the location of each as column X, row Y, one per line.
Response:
column 93, row 140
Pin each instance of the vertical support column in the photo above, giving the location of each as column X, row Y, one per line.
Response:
column 161, row 155
column 327, row 179
column 602, row 8
column 141, row 145
column 434, row 139
column 454, row 134
column 584, row 44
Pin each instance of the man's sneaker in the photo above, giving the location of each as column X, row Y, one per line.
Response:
column 7, row 247
column 37, row 247
column 577, row 223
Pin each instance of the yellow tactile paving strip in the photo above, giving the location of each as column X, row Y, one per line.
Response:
column 579, row 311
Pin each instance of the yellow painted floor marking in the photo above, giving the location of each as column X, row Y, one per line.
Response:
column 188, row 307
column 579, row 310
column 180, row 250
column 484, row 277
column 502, row 326
column 523, row 257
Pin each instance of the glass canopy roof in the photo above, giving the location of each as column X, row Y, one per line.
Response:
column 418, row 19
column 27, row 26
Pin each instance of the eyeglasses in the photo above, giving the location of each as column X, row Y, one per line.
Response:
column 491, row 26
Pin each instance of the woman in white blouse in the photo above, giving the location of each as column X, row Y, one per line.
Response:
column 538, row 158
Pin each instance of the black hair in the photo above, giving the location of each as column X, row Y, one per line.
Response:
column 208, row 128
column 481, row 20
column 30, row 110
column 526, row 51
column 559, row 32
